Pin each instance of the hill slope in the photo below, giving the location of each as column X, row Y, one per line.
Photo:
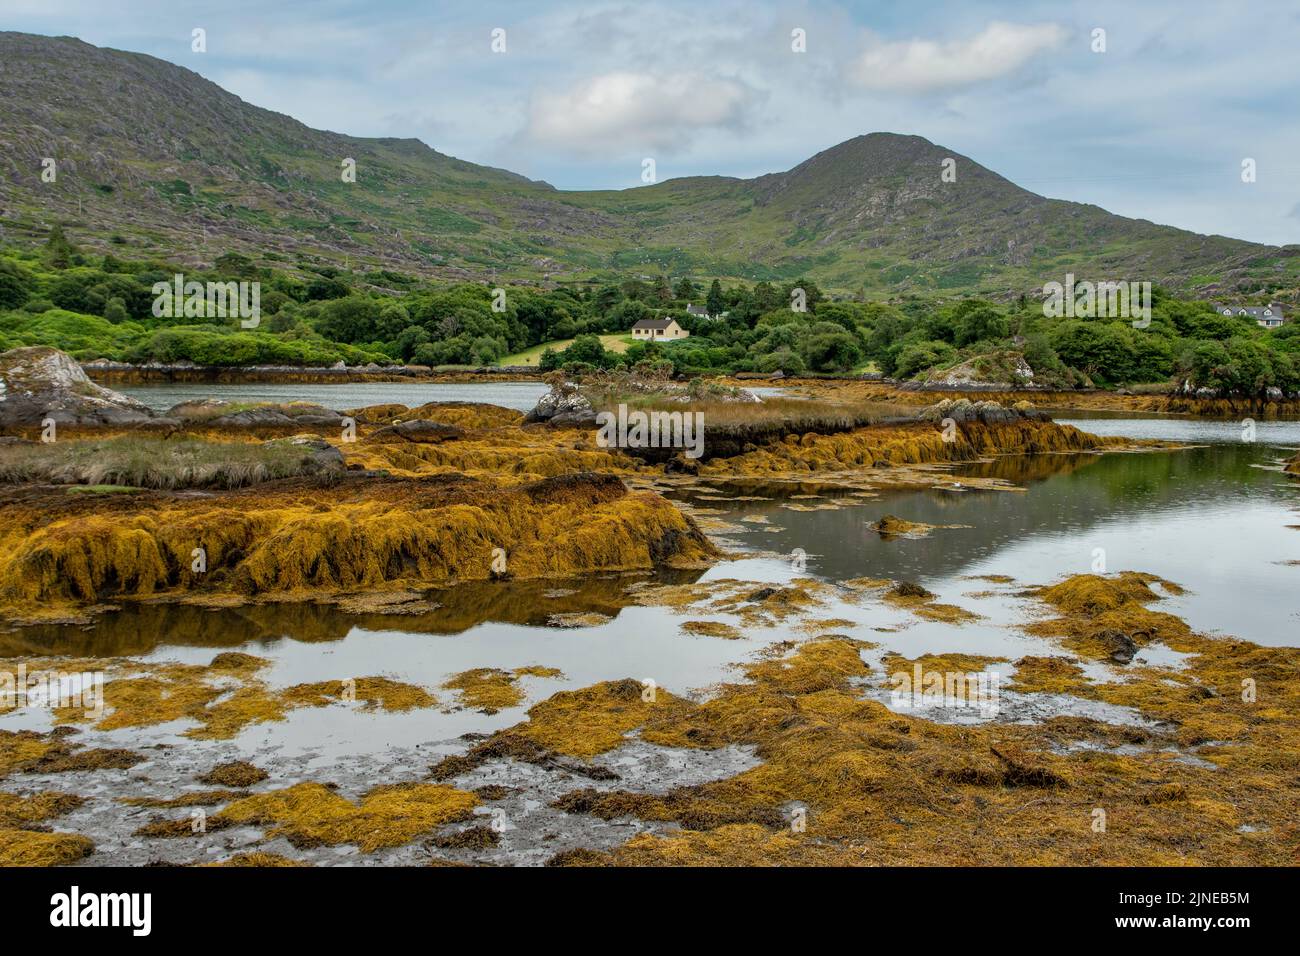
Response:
column 171, row 164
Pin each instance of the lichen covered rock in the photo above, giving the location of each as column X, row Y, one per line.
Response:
column 39, row 383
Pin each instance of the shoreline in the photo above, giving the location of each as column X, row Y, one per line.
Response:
column 122, row 373
column 828, row 386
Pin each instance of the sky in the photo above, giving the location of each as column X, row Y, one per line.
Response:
column 1153, row 118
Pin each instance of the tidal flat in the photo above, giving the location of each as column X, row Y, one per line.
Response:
column 494, row 642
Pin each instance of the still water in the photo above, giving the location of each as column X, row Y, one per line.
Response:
column 1217, row 517
column 521, row 396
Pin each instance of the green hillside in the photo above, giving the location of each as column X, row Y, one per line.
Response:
column 155, row 161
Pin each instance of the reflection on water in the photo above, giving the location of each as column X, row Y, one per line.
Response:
column 138, row 629
column 1240, row 431
column 1212, row 518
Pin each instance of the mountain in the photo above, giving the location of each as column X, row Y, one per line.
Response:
column 152, row 159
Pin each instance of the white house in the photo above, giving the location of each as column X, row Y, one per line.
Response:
column 1269, row 316
column 658, row 330
column 700, row 312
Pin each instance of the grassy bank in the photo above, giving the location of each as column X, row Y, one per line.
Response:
column 137, row 461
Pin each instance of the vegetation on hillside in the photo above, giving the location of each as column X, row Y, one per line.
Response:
column 102, row 307
column 869, row 214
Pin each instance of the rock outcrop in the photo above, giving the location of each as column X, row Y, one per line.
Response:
column 963, row 411
column 979, row 374
column 217, row 413
column 39, row 383
column 563, row 406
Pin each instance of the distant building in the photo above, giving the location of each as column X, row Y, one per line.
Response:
column 700, row 312
column 1269, row 316
column 658, row 330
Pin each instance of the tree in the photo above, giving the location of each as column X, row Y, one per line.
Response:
column 58, row 250
column 326, row 287
column 686, row 289
column 628, row 313
column 608, row 297
column 714, row 302
column 115, row 311
column 829, row 348
column 919, row 356
column 587, row 349
column 234, row 264
column 16, row 284
column 977, row 321
column 349, row 320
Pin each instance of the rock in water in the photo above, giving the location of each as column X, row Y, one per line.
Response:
column 563, row 405
column 963, row 411
column 1118, row 645
column 39, row 382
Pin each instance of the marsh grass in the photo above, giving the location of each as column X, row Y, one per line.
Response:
column 132, row 462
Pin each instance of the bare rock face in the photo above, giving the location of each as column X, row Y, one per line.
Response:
column 39, row 382
column 563, row 405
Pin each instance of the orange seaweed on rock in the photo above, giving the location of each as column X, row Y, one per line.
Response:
column 907, row 444
column 1099, row 613
column 34, row 848
column 310, row 814
column 591, row 721
column 22, row 813
column 490, row 689
column 309, row 539
column 870, row 786
column 856, row 390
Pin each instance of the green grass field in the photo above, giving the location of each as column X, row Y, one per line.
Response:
column 613, row 343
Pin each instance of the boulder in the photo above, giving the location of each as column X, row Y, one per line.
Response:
column 324, row 456
column 39, row 382
column 964, row 411
column 214, row 411
column 563, row 405
column 1118, row 645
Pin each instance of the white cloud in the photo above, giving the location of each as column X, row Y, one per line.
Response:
column 637, row 110
column 923, row 66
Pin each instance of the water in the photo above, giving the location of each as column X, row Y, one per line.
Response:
column 521, row 396
column 1214, row 518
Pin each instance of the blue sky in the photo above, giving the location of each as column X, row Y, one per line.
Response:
column 1155, row 127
